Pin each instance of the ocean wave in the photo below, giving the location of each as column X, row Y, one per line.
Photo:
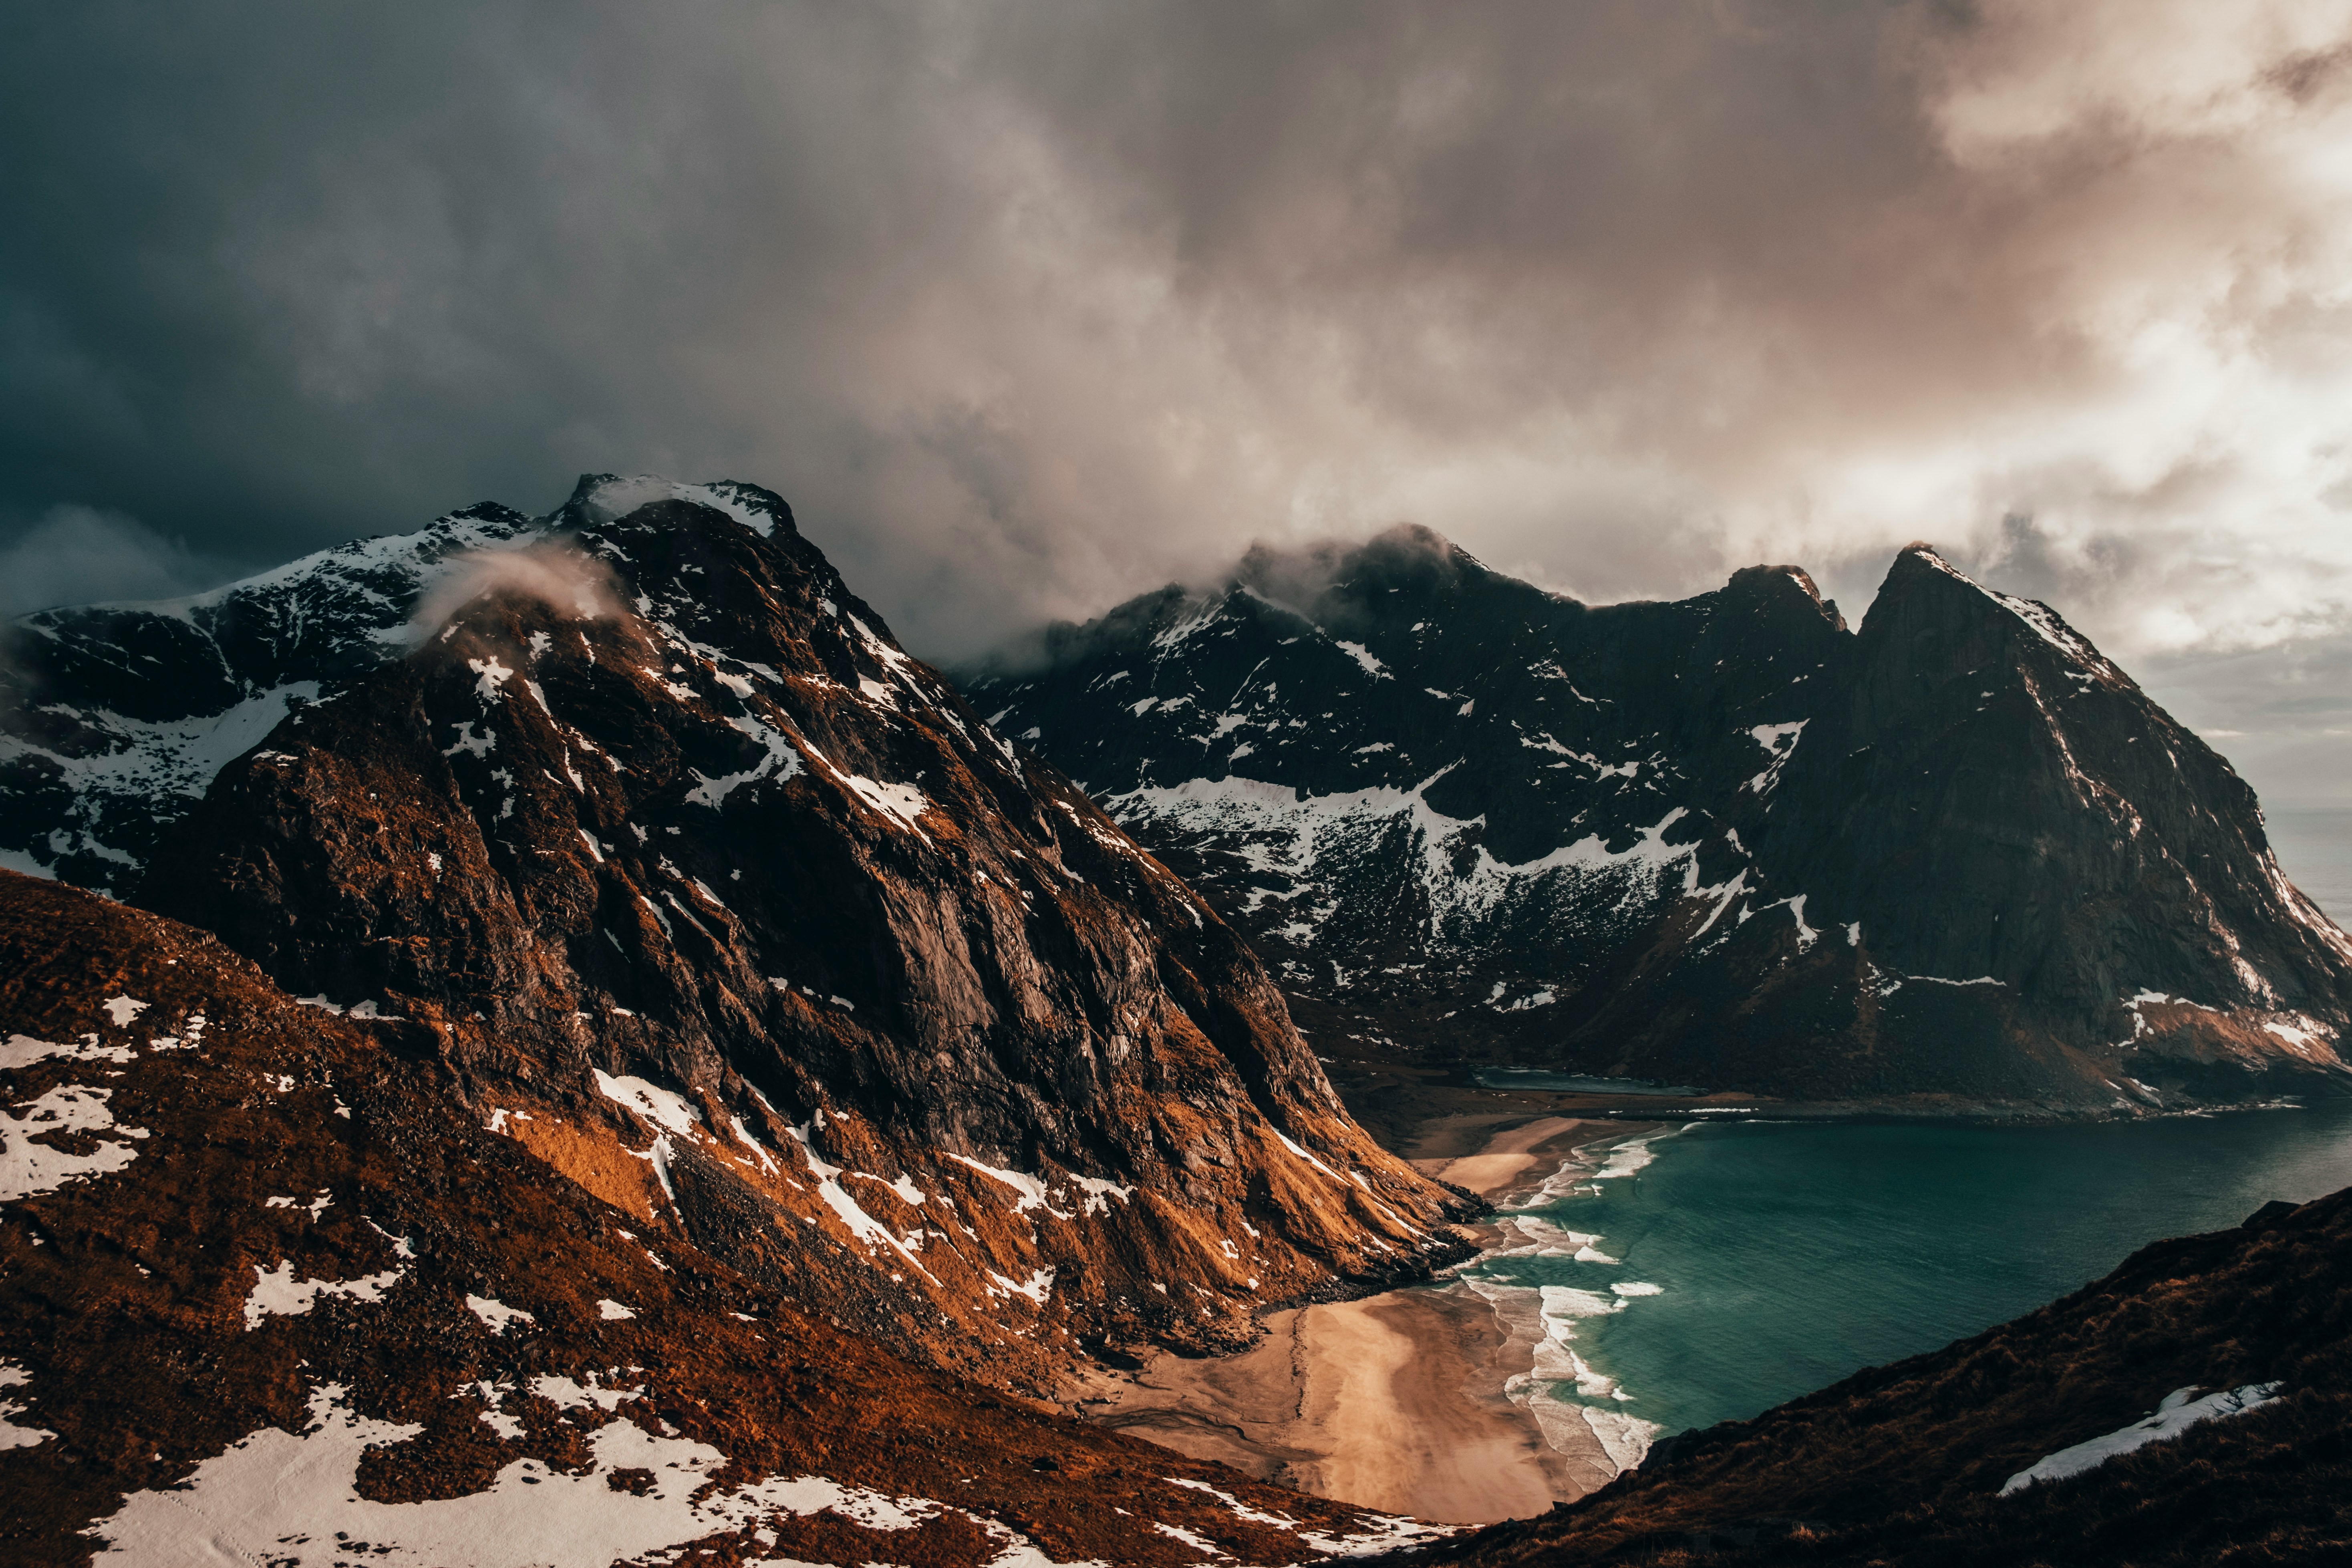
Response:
column 1627, row 1158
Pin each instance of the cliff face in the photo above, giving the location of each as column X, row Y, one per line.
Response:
column 270, row 1291
column 725, row 907
column 1724, row 842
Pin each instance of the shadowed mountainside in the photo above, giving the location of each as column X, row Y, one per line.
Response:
column 1957, row 857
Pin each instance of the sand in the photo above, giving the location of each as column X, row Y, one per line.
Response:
column 1496, row 1159
column 1393, row 1401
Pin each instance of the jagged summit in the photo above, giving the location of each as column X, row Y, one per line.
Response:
column 1725, row 840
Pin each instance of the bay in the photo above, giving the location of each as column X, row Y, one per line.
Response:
column 1787, row 1255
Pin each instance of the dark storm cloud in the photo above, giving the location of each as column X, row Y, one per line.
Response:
column 1030, row 306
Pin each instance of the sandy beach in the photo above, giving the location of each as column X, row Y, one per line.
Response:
column 1395, row 1401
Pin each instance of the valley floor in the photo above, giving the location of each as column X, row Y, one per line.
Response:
column 1394, row 1401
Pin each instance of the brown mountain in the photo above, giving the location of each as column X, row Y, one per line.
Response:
column 716, row 901
column 271, row 1291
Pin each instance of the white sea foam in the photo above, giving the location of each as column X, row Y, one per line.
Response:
column 1541, row 1318
column 1629, row 1158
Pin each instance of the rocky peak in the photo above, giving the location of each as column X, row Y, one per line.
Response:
column 1722, row 841
column 720, row 902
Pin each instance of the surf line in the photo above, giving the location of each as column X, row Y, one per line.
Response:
column 1593, row 1432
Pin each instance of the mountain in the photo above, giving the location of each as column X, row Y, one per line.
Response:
column 271, row 1291
column 1956, row 857
column 114, row 717
column 2192, row 1407
column 641, row 826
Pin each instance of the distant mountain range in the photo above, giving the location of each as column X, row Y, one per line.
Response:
column 1956, row 857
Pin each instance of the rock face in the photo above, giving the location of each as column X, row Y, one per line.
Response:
column 1995, row 1449
column 726, row 909
column 1725, row 842
column 271, row 1291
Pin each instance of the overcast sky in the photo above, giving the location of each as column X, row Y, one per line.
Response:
column 1027, row 307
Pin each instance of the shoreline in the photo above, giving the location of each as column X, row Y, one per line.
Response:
column 1395, row 1401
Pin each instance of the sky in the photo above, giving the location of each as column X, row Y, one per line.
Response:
column 1030, row 307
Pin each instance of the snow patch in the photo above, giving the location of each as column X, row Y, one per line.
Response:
column 292, row 1499
column 276, row 1291
column 2174, row 1414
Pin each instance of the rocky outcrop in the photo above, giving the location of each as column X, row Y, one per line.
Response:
column 728, row 909
column 1956, row 857
column 270, row 1291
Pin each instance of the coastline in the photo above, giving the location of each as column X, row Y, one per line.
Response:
column 1396, row 1401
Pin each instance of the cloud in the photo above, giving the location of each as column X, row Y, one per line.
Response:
column 1028, row 308
column 560, row 576
column 77, row 554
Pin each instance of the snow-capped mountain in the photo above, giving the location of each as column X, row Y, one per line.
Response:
column 721, row 905
column 1725, row 842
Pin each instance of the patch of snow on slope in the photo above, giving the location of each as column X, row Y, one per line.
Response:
column 862, row 1226
column 11, row 1435
column 293, row 1501
column 1033, row 1190
column 277, row 1290
column 1040, row 1285
column 23, row 1050
column 1364, row 657
column 1278, row 830
column 780, row 763
column 656, row 1104
column 496, row 1315
column 27, row 1168
column 902, row 803
column 617, row 498
column 171, row 761
column 2174, row 1414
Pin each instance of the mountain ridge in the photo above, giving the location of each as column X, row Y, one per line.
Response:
column 1401, row 772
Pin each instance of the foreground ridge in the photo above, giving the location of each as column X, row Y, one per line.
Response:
column 1938, row 1459
column 269, row 1292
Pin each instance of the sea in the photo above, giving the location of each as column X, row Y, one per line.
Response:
column 1711, row 1269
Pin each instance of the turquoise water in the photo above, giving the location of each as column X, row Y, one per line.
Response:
column 1787, row 1255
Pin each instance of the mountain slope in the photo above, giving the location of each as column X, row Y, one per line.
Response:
column 724, row 907
column 1927, row 1461
column 1724, row 842
column 271, row 1291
